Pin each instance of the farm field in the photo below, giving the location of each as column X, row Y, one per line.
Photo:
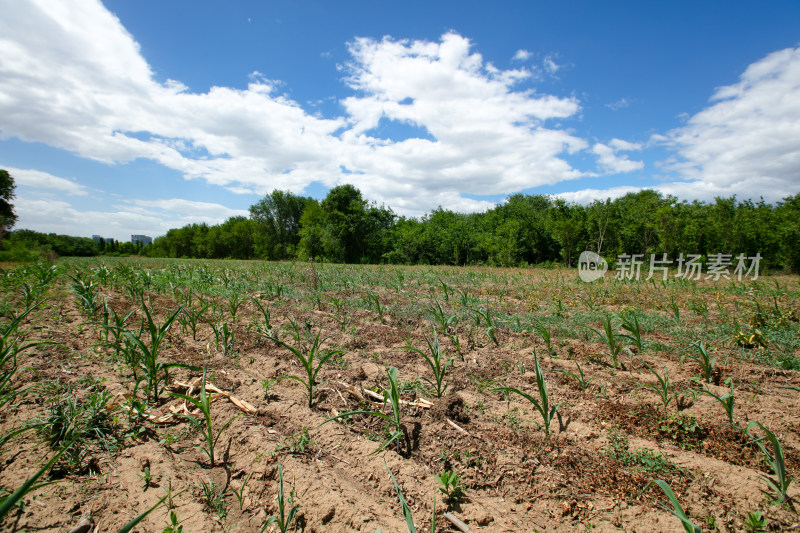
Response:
column 542, row 403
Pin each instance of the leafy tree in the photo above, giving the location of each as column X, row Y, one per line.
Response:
column 7, row 215
column 279, row 214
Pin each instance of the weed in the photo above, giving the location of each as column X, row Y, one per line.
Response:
column 268, row 385
column 755, row 523
column 296, row 443
column 642, row 459
column 451, row 486
column 173, row 524
column 213, row 499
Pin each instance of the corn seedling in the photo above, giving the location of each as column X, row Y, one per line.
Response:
column 543, row 403
column 438, row 363
column 630, row 323
column 775, row 460
column 610, row 338
column 662, row 387
column 705, row 361
column 677, row 509
column 155, row 371
column 392, row 397
column 725, row 400
column 403, row 504
column 190, row 317
column 312, row 359
column 224, row 337
column 240, row 492
column 203, row 403
column 544, row 333
column 9, row 502
column 266, row 313
column 374, row 301
column 283, row 520
column 583, row 383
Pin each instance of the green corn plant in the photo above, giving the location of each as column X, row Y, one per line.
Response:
column 234, row 301
column 543, row 403
column 374, row 301
column 630, row 323
column 486, row 318
column 438, row 363
column 725, row 400
column 342, row 316
column 283, row 520
column 155, row 371
column 544, row 333
column 88, row 299
column 705, row 361
column 610, row 338
column 224, row 337
column 115, row 326
column 675, row 308
column 403, row 504
column 662, row 387
column 266, row 313
column 311, row 358
column 775, row 460
column 203, row 403
column 190, row 317
column 583, row 383
column 8, row 502
column 677, row 509
column 392, row 397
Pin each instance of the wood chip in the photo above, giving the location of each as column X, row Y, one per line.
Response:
column 458, row 524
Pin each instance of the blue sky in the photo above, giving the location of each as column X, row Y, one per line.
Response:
column 122, row 117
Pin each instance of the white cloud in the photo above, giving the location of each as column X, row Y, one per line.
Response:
column 522, row 55
column 192, row 208
column 587, row 196
column 619, row 104
column 747, row 142
column 72, row 77
column 550, row 66
column 611, row 162
column 43, row 180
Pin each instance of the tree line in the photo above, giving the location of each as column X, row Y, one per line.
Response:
column 525, row 230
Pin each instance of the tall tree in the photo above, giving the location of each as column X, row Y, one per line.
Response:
column 7, row 215
column 278, row 215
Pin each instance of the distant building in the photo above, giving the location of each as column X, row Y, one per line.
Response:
column 141, row 239
column 97, row 238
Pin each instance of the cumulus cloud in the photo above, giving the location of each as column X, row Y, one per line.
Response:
column 71, row 76
column 747, row 141
column 587, row 196
column 522, row 55
column 43, row 180
column 611, row 161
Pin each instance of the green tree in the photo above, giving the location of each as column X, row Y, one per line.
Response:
column 7, row 215
column 278, row 215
